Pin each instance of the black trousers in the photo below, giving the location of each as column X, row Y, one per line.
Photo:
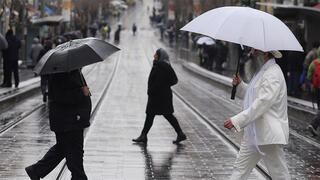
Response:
column 12, row 68
column 170, row 117
column 70, row 146
column 316, row 121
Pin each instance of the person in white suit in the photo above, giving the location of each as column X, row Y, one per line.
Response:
column 263, row 123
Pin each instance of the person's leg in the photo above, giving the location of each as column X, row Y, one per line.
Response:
column 43, row 84
column 245, row 162
column 5, row 68
column 175, row 124
column 313, row 126
column 148, row 124
column 50, row 160
column 275, row 161
column 7, row 75
column 146, row 127
column 73, row 146
column 15, row 70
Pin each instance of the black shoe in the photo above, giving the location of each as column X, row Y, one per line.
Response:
column 141, row 139
column 31, row 173
column 313, row 131
column 181, row 137
column 16, row 85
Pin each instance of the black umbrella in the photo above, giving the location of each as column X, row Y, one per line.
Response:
column 3, row 42
column 74, row 55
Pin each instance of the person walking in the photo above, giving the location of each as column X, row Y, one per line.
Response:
column 134, row 29
column 294, row 67
column 117, row 34
column 69, row 114
column 44, row 78
column 161, row 78
column 264, row 121
column 10, row 58
column 35, row 50
column 314, row 76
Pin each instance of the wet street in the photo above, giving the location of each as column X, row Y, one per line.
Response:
column 119, row 96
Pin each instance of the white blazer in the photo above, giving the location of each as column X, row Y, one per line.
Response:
column 269, row 109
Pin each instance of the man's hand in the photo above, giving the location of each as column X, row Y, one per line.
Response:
column 86, row 90
column 228, row 124
column 236, row 80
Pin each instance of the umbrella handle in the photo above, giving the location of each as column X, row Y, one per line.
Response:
column 234, row 88
column 233, row 92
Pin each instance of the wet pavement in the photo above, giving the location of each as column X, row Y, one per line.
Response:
column 109, row 151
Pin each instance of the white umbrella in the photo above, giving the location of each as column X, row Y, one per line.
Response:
column 205, row 40
column 245, row 26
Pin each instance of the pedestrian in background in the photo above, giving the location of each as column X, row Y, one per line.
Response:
column 314, row 77
column 295, row 68
column 44, row 78
column 134, row 29
column 222, row 52
column 311, row 55
column 10, row 58
column 264, row 121
column 117, row 34
column 69, row 114
column 161, row 78
column 36, row 47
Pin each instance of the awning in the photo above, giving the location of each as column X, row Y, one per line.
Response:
column 292, row 9
column 49, row 20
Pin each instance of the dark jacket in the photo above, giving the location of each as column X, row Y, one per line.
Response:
column 12, row 52
column 161, row 78
column 69, row 108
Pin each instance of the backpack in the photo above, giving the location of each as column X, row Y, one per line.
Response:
column 316, row 75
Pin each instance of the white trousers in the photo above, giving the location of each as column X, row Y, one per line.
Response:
column 273, row 158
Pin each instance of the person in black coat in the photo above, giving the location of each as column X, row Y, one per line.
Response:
column 161, row 78
column 10, row 60
column 69, row 114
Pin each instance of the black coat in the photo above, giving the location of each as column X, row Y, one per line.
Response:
column 69, row 108
column 161, row 78
column 11, row 54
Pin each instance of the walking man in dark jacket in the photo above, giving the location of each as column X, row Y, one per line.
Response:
column 10, row 58
column 69, row 114
column 161, row 78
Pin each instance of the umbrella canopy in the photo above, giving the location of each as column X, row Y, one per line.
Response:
column 245, row 26
column 73, row 55
column 205, row 40
column 49, row 20
column 3, row 42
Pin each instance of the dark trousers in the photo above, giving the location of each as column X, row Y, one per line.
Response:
column 5, row 71
column 316, row 121
column 170, row 117
column 12, row 68
column 70, row 146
